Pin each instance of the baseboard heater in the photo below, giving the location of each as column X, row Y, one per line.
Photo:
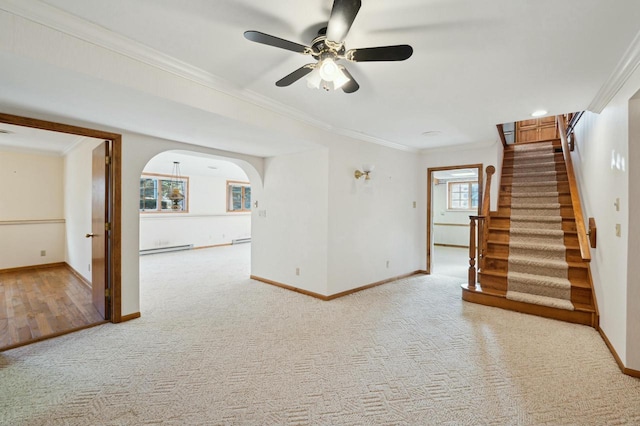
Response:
column 166, row 249
column 241, row 240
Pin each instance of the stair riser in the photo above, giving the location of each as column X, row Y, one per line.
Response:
column 502, row 265
column 572, row 254
column 565, row 211
column 507, row 199
column 492, row 282
column 504, row 236
column 578, row 294
column 505, row 188
column 507, row 179
column 568, row 224
column 581, row 295
column 508, row 169
column 509, row 158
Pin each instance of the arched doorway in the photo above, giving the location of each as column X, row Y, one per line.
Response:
column 200, row 237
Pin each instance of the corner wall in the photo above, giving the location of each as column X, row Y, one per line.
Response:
column 289, row 243
column 603, row 145
column 374, row 226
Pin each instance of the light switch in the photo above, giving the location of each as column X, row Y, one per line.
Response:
column 618, row 230
column 617, row 204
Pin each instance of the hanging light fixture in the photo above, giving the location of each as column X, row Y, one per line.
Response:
column 328, row 75
column 176, row 185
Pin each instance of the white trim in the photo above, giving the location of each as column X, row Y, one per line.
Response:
column 77, row 27
column 627, row 65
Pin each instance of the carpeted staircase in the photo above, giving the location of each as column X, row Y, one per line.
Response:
column 533, row 263
column 538, row 271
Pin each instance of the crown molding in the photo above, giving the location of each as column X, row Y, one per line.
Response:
column 462, row 147
column 82, row 29
column 73, row 145
column 621, row 73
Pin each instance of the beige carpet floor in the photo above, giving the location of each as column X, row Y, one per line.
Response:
column 214, row 347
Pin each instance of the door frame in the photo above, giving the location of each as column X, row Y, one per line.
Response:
column 114, row 200
column 430, row 172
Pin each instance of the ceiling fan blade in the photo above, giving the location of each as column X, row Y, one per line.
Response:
column 270, row 40
column 295, row 76
column 343, row 14
column 352, row 85
column 384, row 53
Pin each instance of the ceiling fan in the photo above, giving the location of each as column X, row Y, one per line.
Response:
column 328, row 48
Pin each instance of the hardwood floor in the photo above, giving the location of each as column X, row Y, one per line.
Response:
column 40, row 303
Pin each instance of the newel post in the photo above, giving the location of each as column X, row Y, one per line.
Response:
column 472, row 252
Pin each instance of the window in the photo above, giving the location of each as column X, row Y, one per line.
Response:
column 463, row 195
column 155, row 194
column 238, row 196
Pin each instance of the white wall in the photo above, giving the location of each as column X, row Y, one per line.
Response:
column 290, row 223
column 449, row 227
column 375, row 223
column 33, row 191
column 614, row 270
column 77, row 205
column 633, row 243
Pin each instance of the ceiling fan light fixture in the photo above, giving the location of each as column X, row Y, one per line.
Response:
column 313, row 79
column 341, row 79
column 328, row 69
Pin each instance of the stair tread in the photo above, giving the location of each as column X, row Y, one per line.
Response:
column 580, row 307
column 497, row 215
column 503, row 229
column 581, row 265
column 506, row 243
column 578, row 283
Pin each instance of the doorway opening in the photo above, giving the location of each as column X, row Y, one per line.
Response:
column 47, row 270
column 204, row 236
column 453, row 194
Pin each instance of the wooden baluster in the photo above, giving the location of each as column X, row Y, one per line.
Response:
column 480, row 246
column 472, row 252
column 485, row 215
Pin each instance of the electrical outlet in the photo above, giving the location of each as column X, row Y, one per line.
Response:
column 297, row 271
column 43, row 252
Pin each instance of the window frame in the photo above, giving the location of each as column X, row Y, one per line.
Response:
column 469, row 184
column 158, row 177
column 229, row 203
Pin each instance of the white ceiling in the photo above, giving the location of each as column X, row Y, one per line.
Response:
column 19, row 138
column 475, row 64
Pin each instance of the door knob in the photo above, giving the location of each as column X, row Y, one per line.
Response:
column 91, row 235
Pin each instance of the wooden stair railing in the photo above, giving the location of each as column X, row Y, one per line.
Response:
column 479, row 230
column 583, row 239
